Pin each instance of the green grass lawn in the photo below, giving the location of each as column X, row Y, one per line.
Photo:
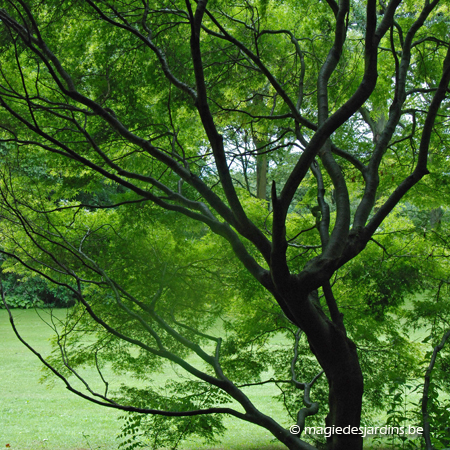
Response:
column 34, row 416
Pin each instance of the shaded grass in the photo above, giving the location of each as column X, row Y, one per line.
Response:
column 34, row 416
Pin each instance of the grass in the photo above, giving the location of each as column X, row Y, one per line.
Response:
column 34, row 416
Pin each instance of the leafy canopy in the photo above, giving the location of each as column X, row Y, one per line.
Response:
column 209, row 179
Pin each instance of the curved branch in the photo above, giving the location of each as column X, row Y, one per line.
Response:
column 257, row 61
column 358, row 98
column 421, row 166
column 149, row 43
column 368, row 200
column 111, row 403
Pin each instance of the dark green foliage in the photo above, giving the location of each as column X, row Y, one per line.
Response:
column 33, row 292
column 439, row 409
column 144, row 431
column 400, row 416
column 391, row 285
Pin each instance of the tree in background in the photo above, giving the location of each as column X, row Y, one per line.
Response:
column 176, row 107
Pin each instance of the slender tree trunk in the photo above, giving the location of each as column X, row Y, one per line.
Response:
column 261, row 158
column 261, row 168
column 261, row 176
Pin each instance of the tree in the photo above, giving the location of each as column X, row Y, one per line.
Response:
column 163, row 102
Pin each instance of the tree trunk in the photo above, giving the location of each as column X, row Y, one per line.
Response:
column 345, row 402
column 261, row 176
column 261, row 168
column 337, row 355
column 340, row 362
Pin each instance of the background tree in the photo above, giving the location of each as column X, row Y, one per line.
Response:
column 159, row 101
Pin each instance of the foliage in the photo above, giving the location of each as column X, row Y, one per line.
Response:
column 136, row 142
column 33, row 292
column 152, row 431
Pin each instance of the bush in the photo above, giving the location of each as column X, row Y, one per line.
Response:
column 34, row 292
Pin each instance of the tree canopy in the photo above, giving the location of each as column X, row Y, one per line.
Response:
column 203, row 176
